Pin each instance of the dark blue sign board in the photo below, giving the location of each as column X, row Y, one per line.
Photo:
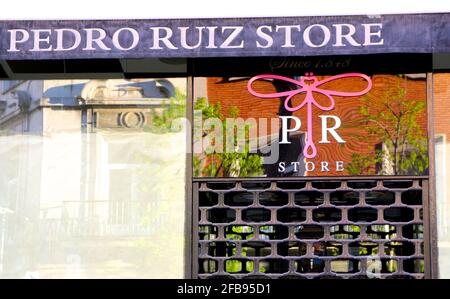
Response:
column 240, row 37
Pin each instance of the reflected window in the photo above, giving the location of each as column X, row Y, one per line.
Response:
column 93, row 178
column 441, row 105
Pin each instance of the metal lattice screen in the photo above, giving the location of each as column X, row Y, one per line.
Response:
column 346, row 228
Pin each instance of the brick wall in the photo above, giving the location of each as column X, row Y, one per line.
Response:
column 235, row 94
column 441, row 104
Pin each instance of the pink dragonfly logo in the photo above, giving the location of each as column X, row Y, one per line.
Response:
column 309, row 84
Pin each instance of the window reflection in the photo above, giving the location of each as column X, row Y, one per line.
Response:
column 441, row 105
column 383, row 132
column 92, row 178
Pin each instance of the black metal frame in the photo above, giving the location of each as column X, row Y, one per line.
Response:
column 190, row 201
column 431, row 210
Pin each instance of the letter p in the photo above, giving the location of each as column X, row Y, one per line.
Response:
column 285, row 130
column 13, row 39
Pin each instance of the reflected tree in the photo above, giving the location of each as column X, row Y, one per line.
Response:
column 241, row 163
column 395, row 121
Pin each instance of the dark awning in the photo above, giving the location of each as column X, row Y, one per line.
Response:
column 293, row 36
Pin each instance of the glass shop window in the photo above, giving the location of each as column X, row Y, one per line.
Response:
column 441, row 106
column 345, row 124
column 93, row 178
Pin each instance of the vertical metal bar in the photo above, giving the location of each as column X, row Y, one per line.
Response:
column 188, row 258
column 194, row 232
column 431, row 200
column 85, row 155
column 426, row 229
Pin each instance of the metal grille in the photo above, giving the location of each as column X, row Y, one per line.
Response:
column 347, row 228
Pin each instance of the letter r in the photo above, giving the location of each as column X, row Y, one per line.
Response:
column 332, row 130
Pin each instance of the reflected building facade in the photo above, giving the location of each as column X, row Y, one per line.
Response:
column 99, row 177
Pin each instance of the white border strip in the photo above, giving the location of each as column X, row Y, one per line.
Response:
column 187, row 9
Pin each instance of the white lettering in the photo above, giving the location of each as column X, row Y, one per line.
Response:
column 307, row 35
column 211, row 37
column 324, row 166
column 368, row 33
column 236, row 30
column 157, row 38
column 90, row 40
column 38, row 39
column 288, row 34
column 134, row 43
column 13, row 40
column 60, row 39
column 264, row 36
column 332, row 130
column 310, row 166
column 347, row 36
column 183, row 37
column 285, row 129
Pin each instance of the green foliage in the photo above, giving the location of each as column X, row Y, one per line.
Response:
column 359, row 165
column 394, row 120
column 171, row 109
column 238, row 163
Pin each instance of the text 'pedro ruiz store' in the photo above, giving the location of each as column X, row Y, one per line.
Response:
column 311, row 147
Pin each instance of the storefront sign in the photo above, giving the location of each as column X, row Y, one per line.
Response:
column 225, row 37
column 309, row 84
